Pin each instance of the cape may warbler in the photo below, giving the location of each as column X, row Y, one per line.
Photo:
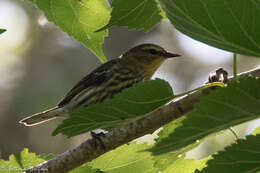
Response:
column 137, row 64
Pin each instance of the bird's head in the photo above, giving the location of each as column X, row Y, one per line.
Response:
column 146, row 58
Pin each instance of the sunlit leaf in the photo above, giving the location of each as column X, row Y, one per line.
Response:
column 20, row 161
column 24, row 160
column 127, row 159
column 85, row 168
column 79, row 19
column 183, row 165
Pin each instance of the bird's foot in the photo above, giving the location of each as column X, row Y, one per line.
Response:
column 220, row 75
column 97, row 137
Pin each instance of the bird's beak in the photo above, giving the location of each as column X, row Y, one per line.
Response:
column 170, row 55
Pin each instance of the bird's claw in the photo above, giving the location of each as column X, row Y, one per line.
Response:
column 220, row 75
column 97, row 137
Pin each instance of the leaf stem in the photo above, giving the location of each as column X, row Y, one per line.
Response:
column 235, row 66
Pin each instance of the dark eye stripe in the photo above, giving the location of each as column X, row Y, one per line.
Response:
column 153, row 51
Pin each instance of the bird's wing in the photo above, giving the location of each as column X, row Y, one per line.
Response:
column 96, row 78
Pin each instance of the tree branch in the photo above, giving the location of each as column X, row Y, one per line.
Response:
column 88, row 150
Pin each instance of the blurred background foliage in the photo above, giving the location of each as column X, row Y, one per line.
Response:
column 39, row 63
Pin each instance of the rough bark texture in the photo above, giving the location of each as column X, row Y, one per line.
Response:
column 88, row 151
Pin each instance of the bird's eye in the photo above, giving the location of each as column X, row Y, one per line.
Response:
column 153, row 51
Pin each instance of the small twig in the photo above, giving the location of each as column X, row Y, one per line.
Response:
column 88, row 150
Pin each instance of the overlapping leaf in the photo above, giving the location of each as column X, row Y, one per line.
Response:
column 79, row 19
column 135, row 14
column 226, row 24
column 130, row 104
column 244, row 156
column 222, row 108
column 2, row 31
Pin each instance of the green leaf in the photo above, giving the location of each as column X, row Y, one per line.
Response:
column 2, row 31
column 127, row 159
column 19, row 162
column 244, row 156
column 226, row 24
column 79, row 19
column 135, row 14
column 222, row 108
column 127, row 106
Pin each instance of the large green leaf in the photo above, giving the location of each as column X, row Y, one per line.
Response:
column 244, row 156
column 129, row 105
column 79, row 19
column 135, row 14
column 222, row 108
column 2, row 31
column 231, row 25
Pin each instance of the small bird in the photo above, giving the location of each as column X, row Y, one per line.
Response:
column 136, row 65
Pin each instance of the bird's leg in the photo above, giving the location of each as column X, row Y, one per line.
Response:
column 97, row 138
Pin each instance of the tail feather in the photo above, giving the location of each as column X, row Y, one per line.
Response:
column 41, row 117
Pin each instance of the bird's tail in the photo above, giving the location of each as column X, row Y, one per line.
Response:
column 41, row 117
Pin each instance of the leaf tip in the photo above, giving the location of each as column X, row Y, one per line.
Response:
column 2, row 31
column 102, row 29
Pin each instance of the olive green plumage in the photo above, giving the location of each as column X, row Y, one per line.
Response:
column 137, row 64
